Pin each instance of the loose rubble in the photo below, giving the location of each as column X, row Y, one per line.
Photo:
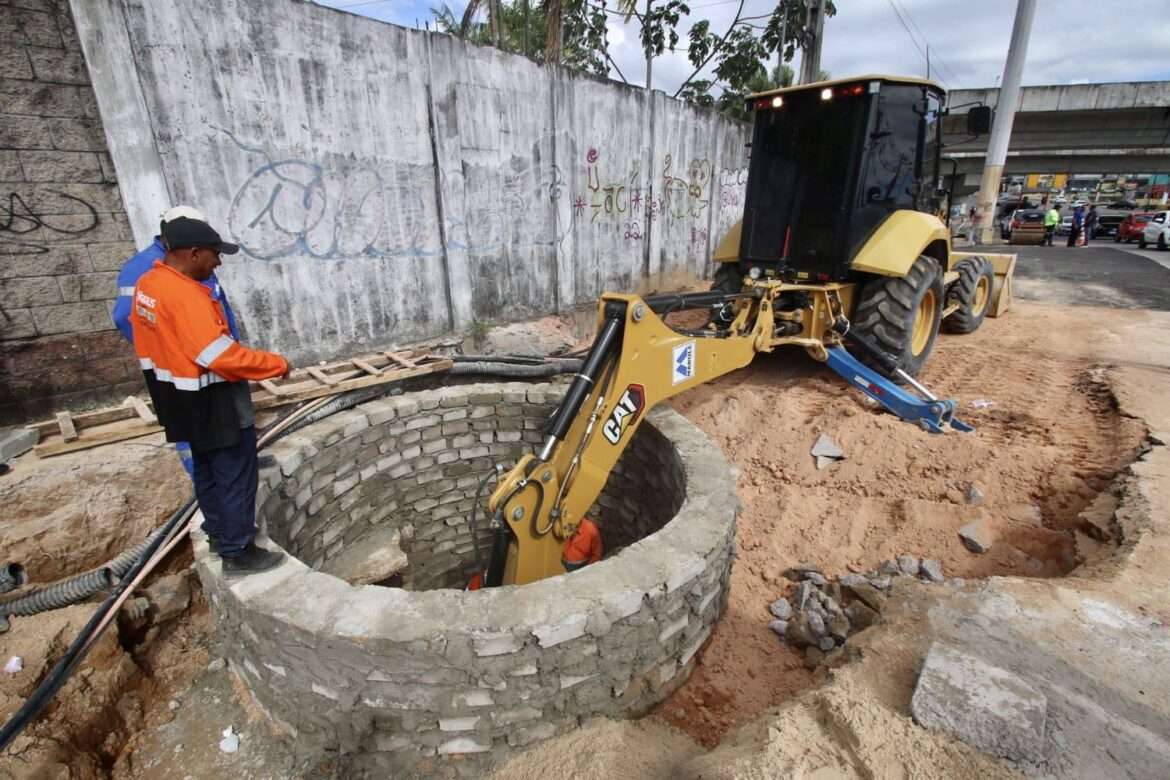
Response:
column 821, row 613
column 976, row 537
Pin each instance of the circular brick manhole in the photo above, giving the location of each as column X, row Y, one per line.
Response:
column 365, row 642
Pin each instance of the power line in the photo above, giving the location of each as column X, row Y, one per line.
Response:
column 950, row 72
column 914, row 40
column 358, row 5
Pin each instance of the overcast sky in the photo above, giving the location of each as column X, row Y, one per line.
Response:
column 1073, row 41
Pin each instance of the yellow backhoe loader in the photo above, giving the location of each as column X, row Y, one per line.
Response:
column 840, row 251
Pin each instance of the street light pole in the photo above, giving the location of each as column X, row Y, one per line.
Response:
column 1005, row 114
column 810, row 60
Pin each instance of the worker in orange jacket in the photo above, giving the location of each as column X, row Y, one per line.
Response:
column 197, row 376
column 583, row 547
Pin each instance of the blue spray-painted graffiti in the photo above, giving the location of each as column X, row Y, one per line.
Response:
column 293, row 207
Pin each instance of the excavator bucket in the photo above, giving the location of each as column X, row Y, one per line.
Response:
column 1004, row 266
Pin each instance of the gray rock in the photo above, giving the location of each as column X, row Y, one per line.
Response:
column 831, row 606
column 812, row 657
column 173, row 705
column 881, row 583
column 908, row 565
column 814, row 606
column 780, row 627
column 871, row 596
column 839, row 627
column 987, row 707
column 827, row 644
column 976, row 536
column 801, row 571
column 890, row 568
column 833, row 591
column 931, row 570
column 798, row 632
column 824, row 447
column 217, row 665
column 973, row 495
column 815, row 623
column 845, row 580
column 780, row 609
column 803, row 592
column 860, row 616
column 16, row 441
column 816, row 579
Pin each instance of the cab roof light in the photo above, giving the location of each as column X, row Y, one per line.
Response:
column 777, row 102
column 827, row 93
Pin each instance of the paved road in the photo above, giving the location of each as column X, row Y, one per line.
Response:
column 1099, row 275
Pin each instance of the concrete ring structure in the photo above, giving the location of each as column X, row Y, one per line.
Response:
column 397, row 678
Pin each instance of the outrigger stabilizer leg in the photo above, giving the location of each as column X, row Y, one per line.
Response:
column 932, row 413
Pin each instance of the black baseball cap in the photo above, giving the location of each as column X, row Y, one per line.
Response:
column 184, row 233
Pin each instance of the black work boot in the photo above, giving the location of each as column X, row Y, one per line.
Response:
column 255, row 559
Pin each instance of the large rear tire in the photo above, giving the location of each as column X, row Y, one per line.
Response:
column 972, row 291
column 901, row 315
column 728, row 280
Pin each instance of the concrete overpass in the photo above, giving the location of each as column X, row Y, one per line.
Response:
column 1068, row 138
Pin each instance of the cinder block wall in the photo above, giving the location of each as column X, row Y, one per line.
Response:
column 63, row 230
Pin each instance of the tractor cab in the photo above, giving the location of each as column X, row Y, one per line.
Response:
column 830, row 162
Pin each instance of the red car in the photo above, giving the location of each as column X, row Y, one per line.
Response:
column 1131, row 227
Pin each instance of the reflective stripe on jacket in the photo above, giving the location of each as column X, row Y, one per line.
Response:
column 133, row 270
column 188, row 356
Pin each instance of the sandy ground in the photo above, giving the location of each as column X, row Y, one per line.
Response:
column 1044, row 450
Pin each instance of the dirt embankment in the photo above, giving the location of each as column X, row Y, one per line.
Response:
column 1050, row 442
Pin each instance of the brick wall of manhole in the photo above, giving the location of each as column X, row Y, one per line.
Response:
column 400, row 674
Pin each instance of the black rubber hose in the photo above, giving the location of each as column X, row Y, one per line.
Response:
column 522, row 370
column 12, row 576
column 56, row 678
column 475, row 511
column 61, row 594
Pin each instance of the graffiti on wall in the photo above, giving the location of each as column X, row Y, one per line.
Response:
column 732, row 188
column 29, row 230
column 293, row 207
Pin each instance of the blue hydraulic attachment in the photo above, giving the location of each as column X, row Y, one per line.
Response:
column 936, row 415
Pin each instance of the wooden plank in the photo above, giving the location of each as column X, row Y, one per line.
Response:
column 321, row 376
column 354, row 384
column 65, row 425
column 400, row 360
column 271, row 386
column 96, row 439
column 364, row 366
column 140, row 408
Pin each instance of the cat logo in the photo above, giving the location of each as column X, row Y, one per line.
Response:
column 629, row 406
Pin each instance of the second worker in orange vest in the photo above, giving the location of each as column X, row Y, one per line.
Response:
column 583, row 547
column 198, row 376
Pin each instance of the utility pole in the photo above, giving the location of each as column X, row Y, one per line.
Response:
column 1005, row 115
column 649, row 57
column 814, row 32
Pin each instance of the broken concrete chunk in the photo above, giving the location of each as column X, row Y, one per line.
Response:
column 908, row 565
column 799, row 571
column 845, row 580
column 881, row 583
column 871, row 596
column 169, row 596
column 839, row 627
column 824, row 447
column 824, row 462
column 973, row 495
column 16, row 441
column 798, row 632
column 816, row 579
column 804, row 592
column 815, row 623
column 780, row 627
column 931, row 570
column 989, row 708
column 976, row 536
column 860, row 616
column 889, row 568
column 781, row 609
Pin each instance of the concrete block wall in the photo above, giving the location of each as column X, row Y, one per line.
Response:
column 416, row 468
column 63, row 229
column 387, row 184
column 401, row 681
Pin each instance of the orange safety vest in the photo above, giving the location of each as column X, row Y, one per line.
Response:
column 190, row 359
column 584, row 546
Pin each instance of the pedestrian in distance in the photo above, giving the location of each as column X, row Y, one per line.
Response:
column 1091, row 224
column 197, row 374
column 1078, row 224
column 132, row 271
column 1051, row 220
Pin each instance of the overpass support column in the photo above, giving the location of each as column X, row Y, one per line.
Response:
column 1005, row 115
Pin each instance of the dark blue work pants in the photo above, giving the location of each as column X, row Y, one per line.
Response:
column 225, row 484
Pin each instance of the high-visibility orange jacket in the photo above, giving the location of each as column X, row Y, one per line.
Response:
column 189, row 358
column 584, row 546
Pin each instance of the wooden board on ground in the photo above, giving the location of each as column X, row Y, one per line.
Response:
column 136, row 418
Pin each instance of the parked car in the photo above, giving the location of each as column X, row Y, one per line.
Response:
column 1027, row 226
column 1156, row 231
column 1108, row 224
column 1132, row 226
column 1065, row 226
